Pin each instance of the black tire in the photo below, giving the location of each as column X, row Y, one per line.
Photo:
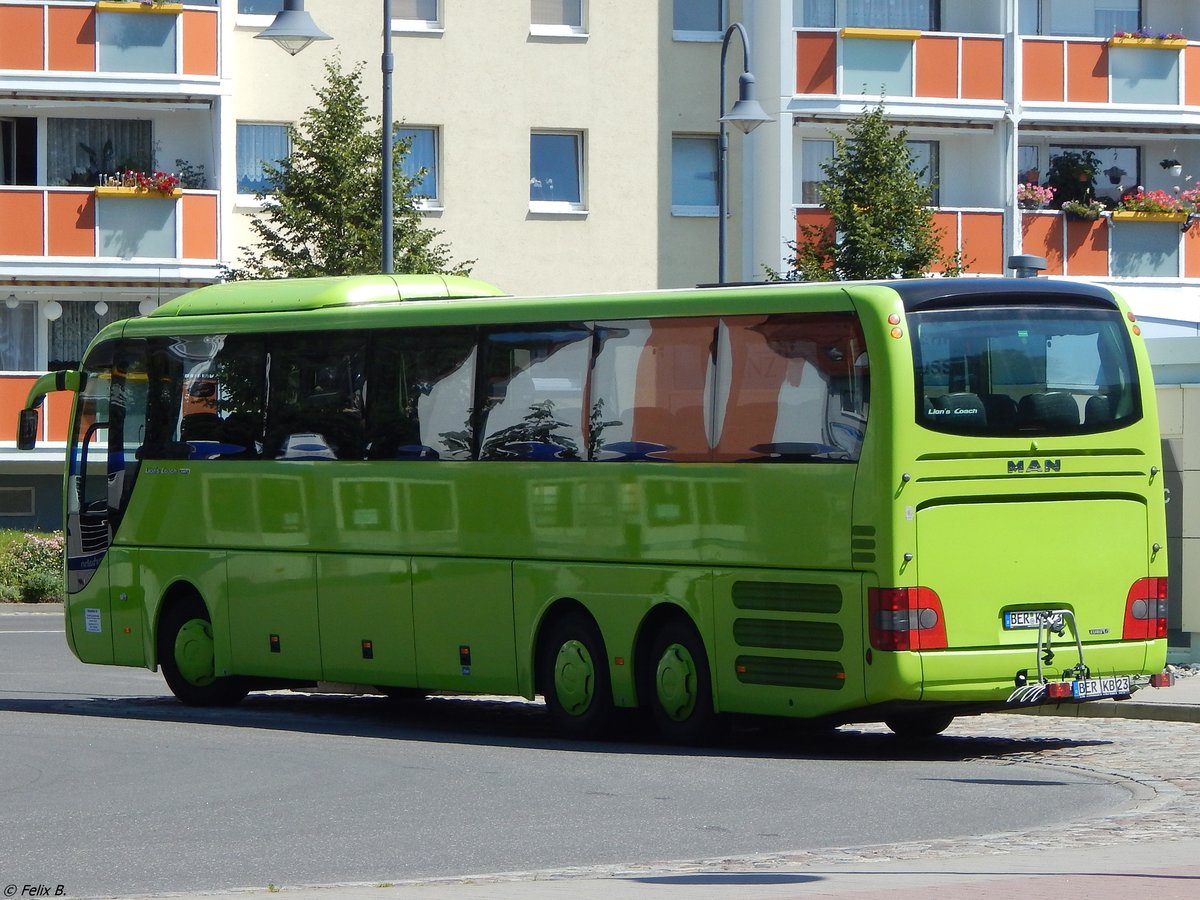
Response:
column 185, row 654
column 919, row 726
column 574, row 677
column 677, row 685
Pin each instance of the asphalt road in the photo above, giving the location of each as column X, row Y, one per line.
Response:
column 110, row 787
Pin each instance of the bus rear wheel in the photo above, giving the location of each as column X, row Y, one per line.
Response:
column 680, row 688
column 919, row 726
column 575, row 678
column 185, row 653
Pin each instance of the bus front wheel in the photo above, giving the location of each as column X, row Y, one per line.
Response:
column 575, row 677
column 185, row 653
column 680, row 689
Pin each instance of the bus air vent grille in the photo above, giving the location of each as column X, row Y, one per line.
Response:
column 821, row 674
column 788, row 635
column 782, row 596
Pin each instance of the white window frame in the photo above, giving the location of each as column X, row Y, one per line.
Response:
column 564, row 207
column 678, row 209
column 257, row 21
column 539, row 29
column 421, row 26
column 434, row 203
column 702, row 36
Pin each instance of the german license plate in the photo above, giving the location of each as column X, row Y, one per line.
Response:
column 1032, row 618
column 1111, row 686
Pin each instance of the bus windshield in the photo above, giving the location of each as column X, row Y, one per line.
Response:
column 1005, row 371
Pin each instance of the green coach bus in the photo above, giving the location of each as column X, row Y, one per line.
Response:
column 895, row 501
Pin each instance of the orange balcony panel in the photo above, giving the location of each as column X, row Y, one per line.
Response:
column 55, row 410
column 983, row 69
column 1043, row 62
column 1042, row 235
column 818, row 218
column 1087, row 248
column 72, row 39
column 21, row 38
column 72, row 218
column 21, row 223
column 199, row 42
column 816, row 62
column 983, row 242
column 937, row 67
column 1191, row 253
column 199, row 226
column 946, row 226
column 1087, row 72
column 1191, row 66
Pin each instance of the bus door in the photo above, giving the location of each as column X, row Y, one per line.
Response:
column 110, row 424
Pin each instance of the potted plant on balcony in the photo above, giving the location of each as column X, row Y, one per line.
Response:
column 1083, row 210
column 1072, row 175
column 132, row 183
column 1033, row 196
column 1172, row 165
column 1144, row 37
column 1156, row 206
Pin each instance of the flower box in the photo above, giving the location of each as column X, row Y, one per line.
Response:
column 114, row 191
column 138, row 7
column 1132, row 215
column 882, row 34
column 1150, row 43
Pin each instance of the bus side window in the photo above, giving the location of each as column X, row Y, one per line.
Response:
column 315, row 409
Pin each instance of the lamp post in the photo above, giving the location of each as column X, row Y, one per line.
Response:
column 293, row 29
column 747, row 114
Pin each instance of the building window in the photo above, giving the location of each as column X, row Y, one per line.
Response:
column 16, row 501
column 259, row 145
column 69, row 335
column 815, row 154
column 922, row 15
column 556, row 17
column 555, row 171
column 698, row 20
column 79, row 151
column 1089, row 18
column 417, row 15
column 421, row 163
column 1118, row 169
column 18, row 335
column 693, row 176
column 259, row 7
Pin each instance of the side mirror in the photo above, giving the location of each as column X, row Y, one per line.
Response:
column 27, row 429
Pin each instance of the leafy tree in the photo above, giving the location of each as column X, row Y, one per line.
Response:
column 882, row 224
column 324, row 215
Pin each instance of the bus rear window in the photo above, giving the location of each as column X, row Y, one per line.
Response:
column 1023, row 370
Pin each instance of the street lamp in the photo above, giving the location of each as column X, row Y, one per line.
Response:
column 293, row 29
column 747, row 114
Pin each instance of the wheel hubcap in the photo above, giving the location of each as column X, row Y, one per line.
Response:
column 676, row 682
column 194, row 652
column 574, row 678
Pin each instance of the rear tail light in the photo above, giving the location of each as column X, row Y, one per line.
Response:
column 1146, row 610
column 906, row 619
column 1058, row 690
column 1162, row 679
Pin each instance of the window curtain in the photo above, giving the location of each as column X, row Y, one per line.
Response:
column 415, row 10
column 890, row 14
column 422, row 154
column 694, row 172
column 819, row 13
column 18, row 337
column 258, row 145
column 69, row 335
column 78, row 151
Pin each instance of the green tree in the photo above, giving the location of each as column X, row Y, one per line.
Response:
column 324, row 216
column 882, row 223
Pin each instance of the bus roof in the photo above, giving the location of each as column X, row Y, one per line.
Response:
column 298, row 294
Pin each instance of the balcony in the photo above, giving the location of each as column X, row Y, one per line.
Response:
column 1141, row 248
column 964, row 73
column 47, row 232
column 55, row 47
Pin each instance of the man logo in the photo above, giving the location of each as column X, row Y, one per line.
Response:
column 1021, row 467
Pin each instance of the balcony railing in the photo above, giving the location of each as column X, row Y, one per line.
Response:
column 932, row 66
column 1103, row 248
column 56, row 409
column 64, row 38
column 75, row 222
column 900, row 64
